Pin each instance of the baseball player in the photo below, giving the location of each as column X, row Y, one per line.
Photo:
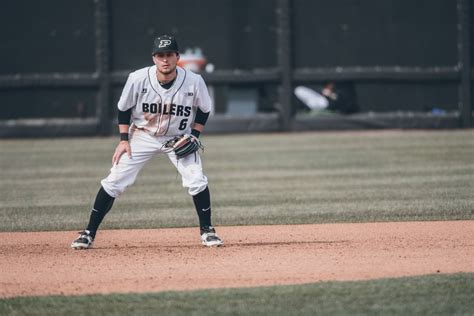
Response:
column 158, row 103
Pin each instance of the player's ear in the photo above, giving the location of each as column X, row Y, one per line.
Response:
column 177, row 56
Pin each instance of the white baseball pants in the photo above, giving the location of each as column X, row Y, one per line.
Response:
column 144, row 147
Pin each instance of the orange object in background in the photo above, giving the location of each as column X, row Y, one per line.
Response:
column 193, row 59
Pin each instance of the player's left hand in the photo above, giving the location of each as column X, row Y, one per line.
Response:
column 122, row 147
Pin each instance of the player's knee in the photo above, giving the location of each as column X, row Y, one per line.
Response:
column 194, row 180
column 196, row 185
column 197, row 189
column 112, row 189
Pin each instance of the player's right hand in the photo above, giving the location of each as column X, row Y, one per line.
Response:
column 122, row 147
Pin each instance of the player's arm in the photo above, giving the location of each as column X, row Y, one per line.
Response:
column 128, row 99
column 124, row 145
column 204, row 104
column 199, row 122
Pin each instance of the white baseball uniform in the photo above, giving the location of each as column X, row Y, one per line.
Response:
column 157, row 115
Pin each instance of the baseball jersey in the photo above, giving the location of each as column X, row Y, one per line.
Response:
column 162, row 111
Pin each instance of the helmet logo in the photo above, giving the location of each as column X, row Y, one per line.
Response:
column 164, row 43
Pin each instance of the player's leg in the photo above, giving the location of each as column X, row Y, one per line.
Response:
column 121, row 176
column 102, row 205
column 193, row 178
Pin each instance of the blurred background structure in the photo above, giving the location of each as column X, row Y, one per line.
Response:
column 408, row 63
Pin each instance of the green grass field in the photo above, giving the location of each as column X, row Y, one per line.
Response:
column 255, row 179
column 429, row 295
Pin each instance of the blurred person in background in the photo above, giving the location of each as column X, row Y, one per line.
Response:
column 341, row 97
column 334, row 97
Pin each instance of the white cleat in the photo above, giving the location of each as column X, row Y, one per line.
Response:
column 84, row 241
column 209, row 237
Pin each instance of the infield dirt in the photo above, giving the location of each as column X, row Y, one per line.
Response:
column 41, row 263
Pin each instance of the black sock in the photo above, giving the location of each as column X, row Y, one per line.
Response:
column 202, row 202
column 103, row 204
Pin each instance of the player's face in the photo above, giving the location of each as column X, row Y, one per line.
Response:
column 166, row 62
